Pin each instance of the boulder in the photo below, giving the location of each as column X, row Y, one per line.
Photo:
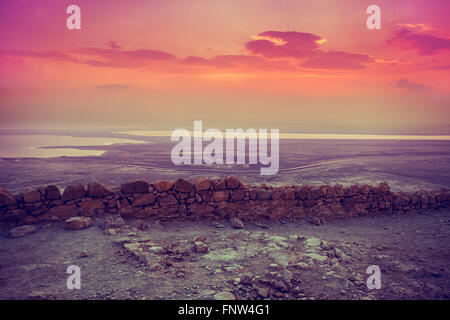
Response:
column 220, row 196
column 163, row 185
column 168, row 200
column 98, row 190
column 232, row 182
column 52, row 193
column 6, row 198
column 92, row 207
column 219, row 184
column 182, row 185
column 139, row 186
column 74, row 192
column 202, row 184
column 238, row 195
column 31, row 196
column 63, row 212
column 145, row 199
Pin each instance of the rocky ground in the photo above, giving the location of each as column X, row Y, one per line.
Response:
column 154, row 259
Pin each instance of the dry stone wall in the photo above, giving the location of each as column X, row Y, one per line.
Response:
column 213, row 199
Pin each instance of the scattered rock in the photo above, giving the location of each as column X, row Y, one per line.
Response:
column 22, row 231
column 38, row 295
column 139, row 224
column 263, row 292
column 156, row 250
column 114, row 223
column 237, row 223
column 78, row 223
column 224, row 295
column 200, row 247
column 83, row 254
column 199, row 238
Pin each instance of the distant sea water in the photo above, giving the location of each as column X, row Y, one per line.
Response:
column 46, row 146
column 307, row 136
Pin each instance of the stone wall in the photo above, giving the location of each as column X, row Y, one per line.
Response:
column 213, row 199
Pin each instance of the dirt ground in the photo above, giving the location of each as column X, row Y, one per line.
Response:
column 207, row 260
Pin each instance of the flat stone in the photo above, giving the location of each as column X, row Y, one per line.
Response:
column 224, row 295
column 22, row 231
column 78, row 223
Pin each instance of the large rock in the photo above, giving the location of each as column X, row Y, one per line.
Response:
column 238, row 195
column 31, row 196
column 219, row 184
column 163, row 185
column 220, row 196
column 384, row 187
column 74, row 192
column 202, row 184
column 139, row 186
column 232, row 182
column 182, row 185
column 63, row 212
column 200, row 247
column 92, row 207
column 168, row 200
column 264, row 194
column 145, row 199
column 22, row 231
column 78, row 223
column 6, row 198
column 98, row 190
column 52, row 193
column 201, row 208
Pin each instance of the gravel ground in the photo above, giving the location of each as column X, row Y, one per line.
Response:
column 207, row 260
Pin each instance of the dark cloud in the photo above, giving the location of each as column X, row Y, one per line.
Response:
column 425, row 44
column 305, row 46
column 337, row 60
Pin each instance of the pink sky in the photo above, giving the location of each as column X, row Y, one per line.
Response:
column 304, row 66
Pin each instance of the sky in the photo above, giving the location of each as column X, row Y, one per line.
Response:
column 307, row 66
